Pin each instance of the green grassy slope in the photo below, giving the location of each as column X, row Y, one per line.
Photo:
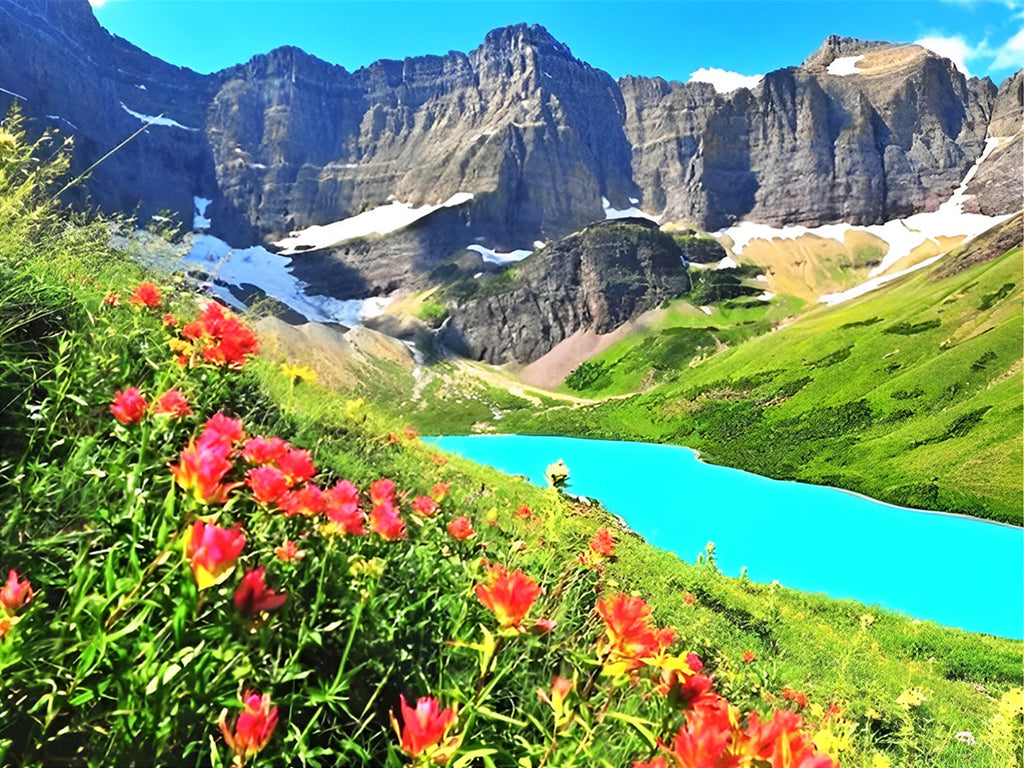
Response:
column 118, row 661
column 911, row 394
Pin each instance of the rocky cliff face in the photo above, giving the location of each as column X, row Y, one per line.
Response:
column 808, row 146
column 73, row 75
column 286, row 140
column 534, row 133
column 998, row 186
column 595, row 280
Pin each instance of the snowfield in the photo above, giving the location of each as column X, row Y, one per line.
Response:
column 381, row 220
column 902, row 235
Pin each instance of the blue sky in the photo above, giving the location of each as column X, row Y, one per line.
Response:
column 669, row 39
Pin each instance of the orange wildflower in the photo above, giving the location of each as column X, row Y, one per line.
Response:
column 460, row 528
column 146, row 295
column 172, row 403
column 630, row 638
column 508, row 595
column 252, row 729
column 212, row 551
column 424, row 729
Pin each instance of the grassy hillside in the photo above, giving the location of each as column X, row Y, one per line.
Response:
column 122, row 652
column 911, row 394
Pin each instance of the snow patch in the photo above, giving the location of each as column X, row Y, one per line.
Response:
column 634, row 201
column 844, row 66
column 707, row 310
column 727, row 263
column 902, row 235
column 867, row 286
column 538, row 244
column 766, row 296
column 271, row 274
column 199, row 219
column 156, row 119
column 497, row 257
column 724, row 80
column 762, row 278
column 623, row 213
column 12, row 93
column 381, row 220
column 63, row 120
column 140, row 86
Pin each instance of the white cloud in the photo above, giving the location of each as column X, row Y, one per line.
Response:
column 1010, row 55
column 723, row 80
column 953, row 48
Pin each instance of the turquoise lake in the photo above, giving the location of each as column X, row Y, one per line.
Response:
column 956, row 571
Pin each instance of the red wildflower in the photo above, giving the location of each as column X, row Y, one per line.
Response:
column 307, row 501
column 393, row 438
column 799, row 697
column 689, row 598
column 297, row 466
column 781, row 743
column 6, row 622
column 253, row 595
column 834, row 710
column 201, row 468
column 341, row 505
column 265, row 450
column 748, row 656
column 460, row 528
column 129, row 406
column 542, row 626
column 212, row 551
column 268, row 484
column 409, row 432
column 172, row 403
column 224, row 338
column 439, row 491
column 424, row 728
column 386, row 523
column 169, row 320
column 524, row 512
column 658, row 762
column 708, row 735
column 288, row 551
column 630, row 638
column 603, row 543
column 222, row 430
column 508, row 595
column 425, row 505
column 112, row 299
column 252, row 729
column 381, row 491
column 438, row 459
column 146, row 295
column 15, row 592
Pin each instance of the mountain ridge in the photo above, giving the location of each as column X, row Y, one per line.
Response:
column 287, row 140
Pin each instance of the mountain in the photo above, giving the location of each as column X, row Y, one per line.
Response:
column 519, row 137
column 595, row 280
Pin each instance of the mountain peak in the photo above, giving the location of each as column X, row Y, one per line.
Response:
column 518, row 35
column 835, row 47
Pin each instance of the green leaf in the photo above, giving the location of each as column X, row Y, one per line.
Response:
column 469, row 757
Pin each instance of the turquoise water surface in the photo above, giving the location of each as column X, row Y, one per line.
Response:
column 953, row 570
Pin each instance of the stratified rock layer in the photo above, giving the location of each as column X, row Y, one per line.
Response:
column 286, row 141
column 593, row 280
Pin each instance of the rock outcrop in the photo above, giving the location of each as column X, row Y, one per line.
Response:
column 807, row 146
column 594, row 280
column 286, row 141
column 998, row 186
